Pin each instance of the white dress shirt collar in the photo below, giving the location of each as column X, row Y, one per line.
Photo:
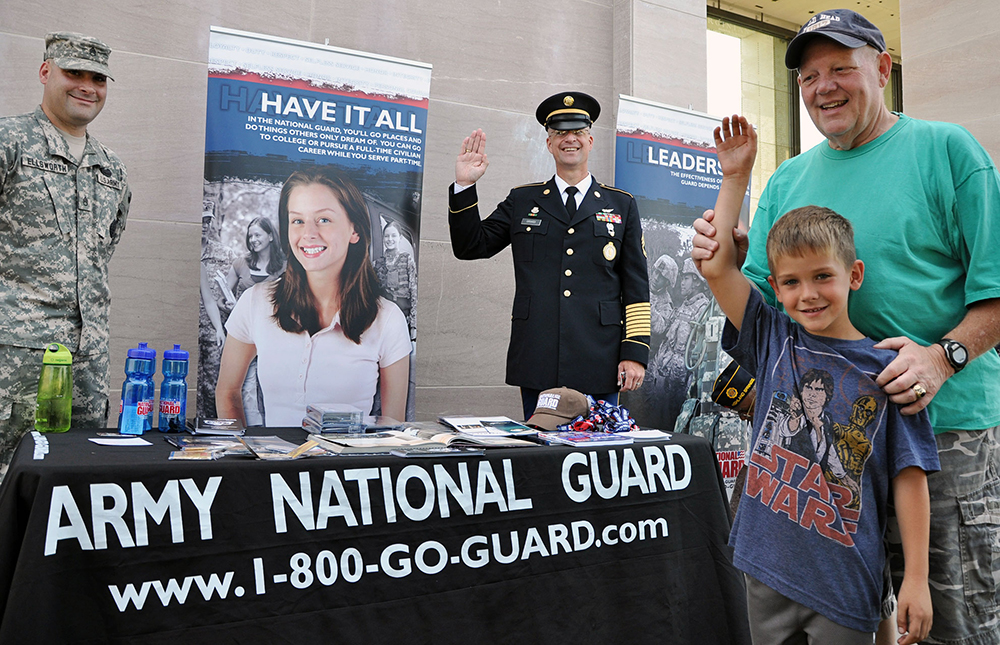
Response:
column 583, row 187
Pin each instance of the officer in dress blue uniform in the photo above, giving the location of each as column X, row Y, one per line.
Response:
column 580, row 317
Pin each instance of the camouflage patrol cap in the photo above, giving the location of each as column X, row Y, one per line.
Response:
column 70, row 50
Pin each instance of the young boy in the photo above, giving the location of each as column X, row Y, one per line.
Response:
column 826, row 441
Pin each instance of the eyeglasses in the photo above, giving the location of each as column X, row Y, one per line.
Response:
column 559, row 134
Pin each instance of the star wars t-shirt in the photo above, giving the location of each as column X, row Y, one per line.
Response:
column 826, row 443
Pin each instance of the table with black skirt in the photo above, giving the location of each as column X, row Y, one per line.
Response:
column 548, row 544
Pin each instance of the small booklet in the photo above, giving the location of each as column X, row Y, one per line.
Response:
column 311, row 425
column 367, row 424
column 196, row 454
column 584, row 438
column 438, row 451
column 367, row 444
column 215, row 427
column 434, row 432
column 276, row 448
column 498, row 426
column 227, row 446
column 333, row 413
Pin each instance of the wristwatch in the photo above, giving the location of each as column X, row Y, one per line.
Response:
column 955, row 352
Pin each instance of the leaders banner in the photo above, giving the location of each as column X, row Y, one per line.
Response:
column 342, row 127
column 665, row 156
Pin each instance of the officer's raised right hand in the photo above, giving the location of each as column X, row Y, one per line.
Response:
column 472, row 162
column 704, row 246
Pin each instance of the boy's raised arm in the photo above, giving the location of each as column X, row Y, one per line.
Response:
column 913, row 512
column 736, row 145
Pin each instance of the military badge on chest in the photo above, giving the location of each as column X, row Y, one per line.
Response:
column 608, row 215
column 610, row 218
column 533, row 219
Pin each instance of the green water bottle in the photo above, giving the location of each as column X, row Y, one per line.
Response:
column 54, row 407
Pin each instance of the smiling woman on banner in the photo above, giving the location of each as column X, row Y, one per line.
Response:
column 321, row 332
column 264, row 261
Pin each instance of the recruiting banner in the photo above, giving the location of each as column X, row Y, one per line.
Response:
column 344, row 133
column 665, row 156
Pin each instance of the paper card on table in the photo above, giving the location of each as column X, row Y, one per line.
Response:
column 647, row 435
column 124, row 441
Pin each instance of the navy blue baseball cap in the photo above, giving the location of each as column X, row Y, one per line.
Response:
column 844, row 26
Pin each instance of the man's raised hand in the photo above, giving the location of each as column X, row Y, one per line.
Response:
column 471, row 162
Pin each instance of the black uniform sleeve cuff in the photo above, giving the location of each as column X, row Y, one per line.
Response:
column 635, row 349
column 463, row 200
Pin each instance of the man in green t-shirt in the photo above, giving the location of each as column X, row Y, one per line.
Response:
column 923, row 198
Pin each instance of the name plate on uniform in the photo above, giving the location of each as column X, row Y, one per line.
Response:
column 527, row 221
column 41, row 164
column 111, row 182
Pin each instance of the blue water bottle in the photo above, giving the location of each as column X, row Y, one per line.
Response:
column 173, row 391
column 148, row 405
column 136, row 414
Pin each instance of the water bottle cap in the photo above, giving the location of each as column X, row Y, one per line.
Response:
column 175, row 354
column 56, row 354
column 142, row 352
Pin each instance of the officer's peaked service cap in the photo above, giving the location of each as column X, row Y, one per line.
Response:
column 568, row 111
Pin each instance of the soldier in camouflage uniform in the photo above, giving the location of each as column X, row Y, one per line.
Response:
column 63, row 203
column 215, row 257
column 662, row 278
column 661, row 305
column 672, row 375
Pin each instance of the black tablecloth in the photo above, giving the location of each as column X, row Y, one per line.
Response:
column 533, row 545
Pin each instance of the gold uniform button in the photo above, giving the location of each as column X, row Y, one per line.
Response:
column 566, row 293
column 571, row 231
column 568, row 273
column 569, row 251
column 527, row 228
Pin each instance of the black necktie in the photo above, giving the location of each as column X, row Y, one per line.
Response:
column 571, row 192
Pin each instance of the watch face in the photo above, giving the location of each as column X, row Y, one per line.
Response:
column 956, row 352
